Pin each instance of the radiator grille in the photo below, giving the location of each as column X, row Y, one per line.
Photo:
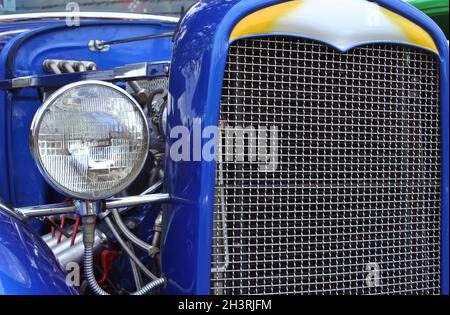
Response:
column 350, row 202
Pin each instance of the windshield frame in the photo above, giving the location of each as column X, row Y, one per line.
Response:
column 103, row 15
column 170, row 8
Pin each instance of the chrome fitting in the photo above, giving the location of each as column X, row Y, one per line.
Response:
column 89, row 208
column 98, row 45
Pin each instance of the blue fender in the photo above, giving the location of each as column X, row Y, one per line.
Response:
column 27, row 265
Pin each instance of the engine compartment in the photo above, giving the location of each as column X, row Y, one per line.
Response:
column 60, row 51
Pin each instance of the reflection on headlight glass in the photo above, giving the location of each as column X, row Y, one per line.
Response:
column 92, row 140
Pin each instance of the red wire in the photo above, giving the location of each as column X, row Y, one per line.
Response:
column 75, row 230
column 52, row 229
column 63, row 222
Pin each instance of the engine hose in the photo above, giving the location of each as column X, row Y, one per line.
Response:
column 150, row 287
column 130, row 254
column 95, row 287
column 89, row 272
column 129, row 235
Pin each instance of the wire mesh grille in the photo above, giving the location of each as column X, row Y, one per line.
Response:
column 351, row 201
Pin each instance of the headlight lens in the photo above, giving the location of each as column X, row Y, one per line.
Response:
column 90, row 140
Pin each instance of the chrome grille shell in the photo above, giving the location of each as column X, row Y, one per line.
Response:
column 356, row 187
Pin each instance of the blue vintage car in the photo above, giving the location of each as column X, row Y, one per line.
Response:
column 223, row 147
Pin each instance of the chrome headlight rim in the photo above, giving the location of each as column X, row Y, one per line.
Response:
column 34, row 142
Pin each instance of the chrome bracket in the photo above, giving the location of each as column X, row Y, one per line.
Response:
column 89, row 208
column 98, row 45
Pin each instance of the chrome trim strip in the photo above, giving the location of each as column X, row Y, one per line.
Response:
column 135, row 70
column 23, row 82
column 11, row 211
column 87, row 15
column 14, row 32
column 47, row 210
column 135, row 201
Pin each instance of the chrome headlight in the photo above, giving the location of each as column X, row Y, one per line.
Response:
column 90, row 140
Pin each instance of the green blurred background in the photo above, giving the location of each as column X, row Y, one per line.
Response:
column 436, row 9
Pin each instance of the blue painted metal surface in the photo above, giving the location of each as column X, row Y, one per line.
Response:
column 27, row 266
column 198, row 65
column 10, row 30
column 7, row 33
